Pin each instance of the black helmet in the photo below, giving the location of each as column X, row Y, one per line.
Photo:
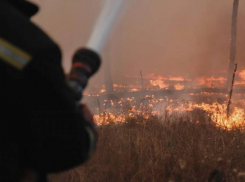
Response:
column 25, row 7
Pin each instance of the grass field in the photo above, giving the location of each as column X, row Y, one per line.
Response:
column 190, row 149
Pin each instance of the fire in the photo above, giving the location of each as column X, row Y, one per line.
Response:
column 134, row 90
column 209, row 94
column 106, row 118
column 211, row 82
column 176, row 78
column 150, row 107
column 132, row 103
column 118, row 86
column 159, row 83
column 102, row 90
column 130, row 99
column 239, row 83
column 217, row 112
column 179, row 86
column 242, row 74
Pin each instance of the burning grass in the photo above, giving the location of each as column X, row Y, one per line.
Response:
column 177, row 147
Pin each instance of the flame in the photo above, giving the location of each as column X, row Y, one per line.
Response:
column 239, row 83
column 211, row 82
column 159, row 83
column 130, row 99
column 179, row 86
column 102, row 90
column 134, row 90
column 176, row 78
column 217, row 112
column 117, row 110
column 152, row 81
column 242, row 74
column 118, row 86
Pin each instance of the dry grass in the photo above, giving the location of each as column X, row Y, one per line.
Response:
column 157, row 150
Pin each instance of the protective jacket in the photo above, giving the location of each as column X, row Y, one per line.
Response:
column 40, row 126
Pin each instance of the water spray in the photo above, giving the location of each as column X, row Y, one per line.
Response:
column 104, row 24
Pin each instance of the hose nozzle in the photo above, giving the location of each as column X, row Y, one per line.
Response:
column 84, row 64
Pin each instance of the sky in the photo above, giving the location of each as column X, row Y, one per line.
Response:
column 189, row 38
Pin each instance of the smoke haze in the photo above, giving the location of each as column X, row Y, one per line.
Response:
column 187, row 38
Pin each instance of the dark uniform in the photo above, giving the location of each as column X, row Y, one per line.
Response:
column 40, row 125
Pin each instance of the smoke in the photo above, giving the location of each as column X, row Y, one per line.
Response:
column 179, row 38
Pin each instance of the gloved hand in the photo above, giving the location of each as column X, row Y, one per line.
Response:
column 88, row 116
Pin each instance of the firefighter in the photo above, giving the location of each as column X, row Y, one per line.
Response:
column 41, row 127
